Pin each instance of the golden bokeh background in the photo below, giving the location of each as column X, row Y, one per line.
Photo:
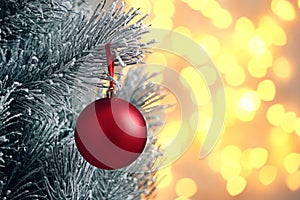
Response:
column 255, row 46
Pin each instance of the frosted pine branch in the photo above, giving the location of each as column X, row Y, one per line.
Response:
column 51, row 56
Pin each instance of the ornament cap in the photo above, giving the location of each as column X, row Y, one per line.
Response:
column 111, row 93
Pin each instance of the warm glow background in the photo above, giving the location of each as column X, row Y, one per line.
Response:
column 255, row 46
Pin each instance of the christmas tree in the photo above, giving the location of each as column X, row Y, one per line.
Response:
column 52, row 64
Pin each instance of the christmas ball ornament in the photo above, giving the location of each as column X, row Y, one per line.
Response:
column 110, row 133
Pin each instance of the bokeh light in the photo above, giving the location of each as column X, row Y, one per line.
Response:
column 293, row 182
column 267, row 174
column 258, row 157
column 221, row 18
column 251, row 54
column 236, row 77
column 162, row 22
column 230, row 169
column 185, row 187
column 254, row 45
column 257, row 45
column 236, row 185
column 283, row 9
column 288, row 122
column 248, row 104
column 297, row 126
column 275, row 114
column 210, row 43
column 282, row 68
column 266, row 90
column 164, row 8
column 292, row 162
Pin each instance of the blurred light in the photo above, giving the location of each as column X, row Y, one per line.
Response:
column 267, row 20
column 200, row 121
column 275, row 114
column 267, row 174
column 192, row 77
column 264, row 33
column 236, row 77
column 164, row 8
column 226, row 63
column 245, row 159
column 210, row 43
column 256, row 40
column 288, row 122
column 257, row 46
column 182, row 198
column 230, row 169
column 281, row 146
column 157, row 58
column 231, row 101
column 244, row 29
column 195, row 4
column 184, row 31
column 283, row 9
column 215, row 161
column 266, row 90
column 231, row 153
column 250, row 101
column 221, row 18
column 179, row 46
column 255, row 69
column 293, row 181
column 279, row 138
column 278, row 35
column 282, row 67
column 236, row 185
column 186, row 187
column 145, row 6
column 292, row 162
column 258, row 157
column 244, row 26
column 209, row 73
column 271, row 32
column 168, row 133
column 264, row 60
column 167, row 177
column 162, row 22
column 244, row 115
column 297, row 126
column 207, row 7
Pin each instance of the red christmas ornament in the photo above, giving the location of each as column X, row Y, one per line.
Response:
column 110, row 133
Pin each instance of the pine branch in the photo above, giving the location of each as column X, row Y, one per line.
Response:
column 9, row 8
column 20, row 19
column 9, row 134
column 50, row 57
column 66, row 174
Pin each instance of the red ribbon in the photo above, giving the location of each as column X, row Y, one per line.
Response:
column 110, row 64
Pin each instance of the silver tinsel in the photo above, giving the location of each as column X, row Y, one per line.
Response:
column 52, row 58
